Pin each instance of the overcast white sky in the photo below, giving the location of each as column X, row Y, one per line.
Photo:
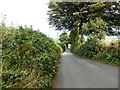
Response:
column 28, row 12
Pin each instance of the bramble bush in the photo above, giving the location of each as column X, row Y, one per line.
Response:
column 29, row 58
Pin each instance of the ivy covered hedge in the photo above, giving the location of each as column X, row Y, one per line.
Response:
column 29, row 58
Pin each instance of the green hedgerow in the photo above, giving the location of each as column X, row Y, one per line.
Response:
column 63, row 46
column 29, row 58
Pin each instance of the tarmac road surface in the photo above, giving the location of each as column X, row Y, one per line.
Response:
column 77, row 72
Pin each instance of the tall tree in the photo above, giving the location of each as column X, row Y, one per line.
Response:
column 72, row 15
column 64, row 14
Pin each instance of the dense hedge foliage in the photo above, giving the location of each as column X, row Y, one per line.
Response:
column 98, row 51
column 88, row 48
column 29, row 58
column 63, row 46
column 110, row 54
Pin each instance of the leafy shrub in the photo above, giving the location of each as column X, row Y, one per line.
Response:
column 29, row 58
column 112, row 52
column 88, row 48
column 63, row 46
column 113, row 56
column 84, row 50
column 94, row 49
column 109, row 55
column 61, row 50
column 74, row 48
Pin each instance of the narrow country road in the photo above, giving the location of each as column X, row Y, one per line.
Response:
column 77, row 72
